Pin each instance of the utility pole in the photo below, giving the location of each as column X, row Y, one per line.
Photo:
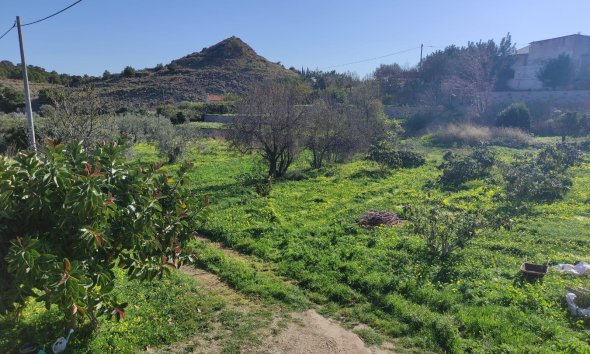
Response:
column 421, row 47
column 33, row 145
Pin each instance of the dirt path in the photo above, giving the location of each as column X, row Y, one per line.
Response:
column 288, row 333
column 263, row 328
column 311, row 333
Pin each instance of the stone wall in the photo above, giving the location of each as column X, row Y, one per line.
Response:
column 558, row 98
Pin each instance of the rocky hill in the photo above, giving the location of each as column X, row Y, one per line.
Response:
column 230, row 66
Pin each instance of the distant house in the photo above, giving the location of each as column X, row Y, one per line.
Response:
column 214, row 98
column 531, row 59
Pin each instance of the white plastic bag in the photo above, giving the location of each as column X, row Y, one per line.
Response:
column 581, row 268
column 575, row 309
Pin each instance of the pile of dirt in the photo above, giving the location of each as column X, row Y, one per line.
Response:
column 375, row 218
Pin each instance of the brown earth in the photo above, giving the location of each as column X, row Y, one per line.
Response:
column 311, row 333
column 287, row 333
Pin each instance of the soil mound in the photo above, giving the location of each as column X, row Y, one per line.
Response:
column 379, row 218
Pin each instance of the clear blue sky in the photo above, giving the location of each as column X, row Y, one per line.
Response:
column 110, row 34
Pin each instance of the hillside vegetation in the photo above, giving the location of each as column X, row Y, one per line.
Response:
column 230, row 66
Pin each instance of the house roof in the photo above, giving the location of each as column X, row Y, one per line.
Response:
column 214, row 98
column 571, row 35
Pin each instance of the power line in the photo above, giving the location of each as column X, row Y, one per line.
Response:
column 50, row 16
column 10, row 29
column 370, row 59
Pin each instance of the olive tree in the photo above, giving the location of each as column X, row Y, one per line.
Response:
column 78, row 115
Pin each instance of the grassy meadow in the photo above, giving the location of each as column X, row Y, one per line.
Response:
column 474, row 301
column 300, row 247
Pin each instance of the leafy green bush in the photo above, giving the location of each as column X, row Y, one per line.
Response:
column 13, row 139
column 516, row 115
column 443, row 228
column 559, row 157
column 386, row 155
column 557, row 72
column 527, row 181
column 129, row 72
column 460, row 169
column 541, row 178
column 72, row 216
column 11, row 99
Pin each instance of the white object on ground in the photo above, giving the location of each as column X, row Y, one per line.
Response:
column 581, row 268
column 60, row 344
column 575, row 309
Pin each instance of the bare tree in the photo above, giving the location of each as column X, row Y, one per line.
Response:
column 473, row 80
column 327, row 130
column 337, row 130
column 272, row 121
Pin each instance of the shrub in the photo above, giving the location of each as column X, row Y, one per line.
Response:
column 179, row 118
column 509, row 137
column 473, row 135
column 541, row 178
column 557, row 72
column 527, row 181
column 460, row 169
column 385, row 155
column 79, row 115
column 462, row 134
column 559, row 157
column 129, row 72
column 571, row 124
column 11, row 99
column 443, row 228
column 13, row 139
column 90, row 214
column 516, row 115
column 106, row 75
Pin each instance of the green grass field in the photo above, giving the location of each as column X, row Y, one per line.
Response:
column 473, row 301
column 301, row 247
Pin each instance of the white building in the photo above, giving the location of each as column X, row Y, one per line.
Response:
column 531, row 59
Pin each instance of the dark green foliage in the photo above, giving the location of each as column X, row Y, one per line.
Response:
column 443, row 228
column 11, row 99
column 264, row 187
column 179, row 118
column 36, row 74
column 527, row 181
column 559, row 157
column 388, row 156
column 571, row 124
column 69, row 218
column 106, row 75
column 129, row 72
column 14, row 138
column 460, row 169
column 397, row 86
column 557, row 72
column 543, row 177
column 516, row 115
